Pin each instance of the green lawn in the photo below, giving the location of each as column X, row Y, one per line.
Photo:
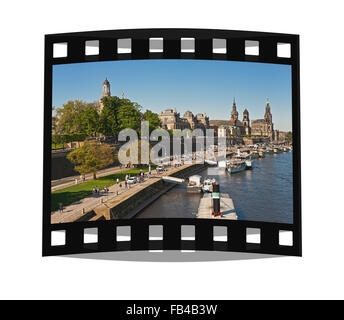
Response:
column 57, row 146
column 77, row 192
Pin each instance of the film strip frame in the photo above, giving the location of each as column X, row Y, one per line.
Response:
column 204, row 228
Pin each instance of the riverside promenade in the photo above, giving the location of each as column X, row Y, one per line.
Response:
column 70, row 181
column 99, row 204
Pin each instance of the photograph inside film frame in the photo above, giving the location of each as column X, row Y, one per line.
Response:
column 195, row 139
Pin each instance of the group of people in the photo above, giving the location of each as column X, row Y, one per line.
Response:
column 96, row 190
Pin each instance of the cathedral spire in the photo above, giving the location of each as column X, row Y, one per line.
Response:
column 268, row 115
column 234, row 113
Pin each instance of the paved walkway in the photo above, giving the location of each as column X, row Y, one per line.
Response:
column 70, row 181
column 74, row 211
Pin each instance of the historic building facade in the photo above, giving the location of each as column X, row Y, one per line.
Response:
column 237, row 127
column 264, row 127
column 246, row 127
column 171, row 120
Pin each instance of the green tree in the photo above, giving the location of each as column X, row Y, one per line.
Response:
column 77, row 116
column 153, row 118
column 91, row 157
column 129, row 117
column 289, row 135
column 88, row 121
column 108, row 120
column 111, row 121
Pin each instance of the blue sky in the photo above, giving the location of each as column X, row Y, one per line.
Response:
column 201, row 86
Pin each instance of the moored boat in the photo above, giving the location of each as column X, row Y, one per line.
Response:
column 248, row 164
column 194, row 184
column 254, row 154
column 208, row 185
column 244, row 157
column 235, row 166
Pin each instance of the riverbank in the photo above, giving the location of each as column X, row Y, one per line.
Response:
column 76, row 192
column 264, row 193
column 122, row 203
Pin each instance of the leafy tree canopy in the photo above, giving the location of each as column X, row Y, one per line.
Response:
column 153, row 118
column 110, row 118
column 77, row 117
column 129, row 117
column 91, row 157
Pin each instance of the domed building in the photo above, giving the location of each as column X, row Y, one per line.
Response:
column 105, row 93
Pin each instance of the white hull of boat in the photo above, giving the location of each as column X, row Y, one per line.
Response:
column 248, row 164
column 236, row 170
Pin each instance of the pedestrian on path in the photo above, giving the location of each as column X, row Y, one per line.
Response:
column 61, row 207
column 126, row 184
column 120, row 186
column 76, row 181
column 117, row 180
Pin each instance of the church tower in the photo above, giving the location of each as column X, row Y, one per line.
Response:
column 268, row 115
column 246, row 122
column 105, row 93
column 268, row 119
column 106, row 89
column 234, row 113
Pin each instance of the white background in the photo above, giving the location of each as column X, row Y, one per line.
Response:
column 25, row 274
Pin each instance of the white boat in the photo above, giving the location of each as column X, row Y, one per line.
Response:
column 208, row 185
column 234, row 166
column 244, row 157
column 194, row 184
column 248, row 164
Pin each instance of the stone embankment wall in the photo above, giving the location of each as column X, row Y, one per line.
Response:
column 132, row 206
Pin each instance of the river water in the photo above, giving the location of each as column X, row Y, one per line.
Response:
column 264, row 193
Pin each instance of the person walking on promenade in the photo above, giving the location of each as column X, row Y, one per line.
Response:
column 126, row 184
column 117, row 180
column 120, row 187
column 61, row 207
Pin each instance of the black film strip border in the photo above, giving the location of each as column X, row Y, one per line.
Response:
column 203, row 40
